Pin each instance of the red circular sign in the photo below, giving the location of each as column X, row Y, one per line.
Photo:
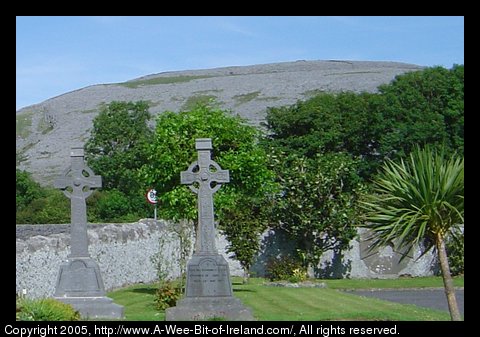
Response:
column 152, row 196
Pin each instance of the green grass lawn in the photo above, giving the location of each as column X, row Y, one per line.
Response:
column 296, row 304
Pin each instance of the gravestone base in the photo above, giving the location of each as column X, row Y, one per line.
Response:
column 80, row 284
column 94, row 307
column 208, row 293
column 204, row 308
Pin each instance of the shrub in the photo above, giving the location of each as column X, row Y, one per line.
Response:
column 285, row 268
column 456, row 254
column 167, row 295
column 46, row 309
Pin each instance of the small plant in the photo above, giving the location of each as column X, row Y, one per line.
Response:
column 167, row 295
column 285, row 268
column 46, row 309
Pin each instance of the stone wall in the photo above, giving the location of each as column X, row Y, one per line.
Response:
column 128, row 254
column 357, row 262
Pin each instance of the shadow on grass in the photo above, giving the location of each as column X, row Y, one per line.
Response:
column 150, row 291
column 244, row 290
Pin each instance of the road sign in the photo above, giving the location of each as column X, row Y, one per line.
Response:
column 152, row 196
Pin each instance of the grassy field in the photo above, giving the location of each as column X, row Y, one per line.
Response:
column 163, row 80
column 298, row 304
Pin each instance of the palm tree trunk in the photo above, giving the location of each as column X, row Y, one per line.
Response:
column 447, row 279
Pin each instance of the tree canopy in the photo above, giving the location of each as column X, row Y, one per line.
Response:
column 240, row 203
column 115, row 149
column 421, row 107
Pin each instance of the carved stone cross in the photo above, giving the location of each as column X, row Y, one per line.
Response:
column 76, row 183
column 208, row 292
column 204, row 177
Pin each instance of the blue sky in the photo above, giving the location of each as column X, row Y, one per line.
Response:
column 55, row 55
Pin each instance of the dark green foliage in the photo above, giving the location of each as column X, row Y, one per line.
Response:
column 47, row 309
column 456, row 254
column 422, row 107
column 114, row 206
column 26, row 189
column 317, row 204
column 285, row 268
column 167, row 295
column 51, row 207
column 115, row 149
column 326, row 148
column 39, row 205
column 345, row 122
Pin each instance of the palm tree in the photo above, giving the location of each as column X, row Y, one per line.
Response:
column 419, row 200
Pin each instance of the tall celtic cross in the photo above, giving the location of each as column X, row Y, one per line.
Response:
column 204, row 177
column 208, row 291
column 76, row 182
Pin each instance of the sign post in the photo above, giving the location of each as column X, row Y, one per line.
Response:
column 152, row 198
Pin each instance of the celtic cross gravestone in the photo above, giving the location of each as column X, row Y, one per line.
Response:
column 204, row 177
column 208, row 291
column 79, row 281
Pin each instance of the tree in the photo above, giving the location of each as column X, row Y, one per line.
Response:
column 37, row 204
column 419, row 200
column 330, row 123
column 115, row 149
column 421, row 107
column 27, row 189
column 238, row 204
column 317, row 203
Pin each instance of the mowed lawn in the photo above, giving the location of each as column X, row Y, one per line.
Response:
column 297, row 304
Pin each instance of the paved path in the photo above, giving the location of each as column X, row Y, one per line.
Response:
column 429, row 298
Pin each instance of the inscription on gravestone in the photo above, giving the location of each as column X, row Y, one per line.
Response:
column 79, row 281
column 208, row 291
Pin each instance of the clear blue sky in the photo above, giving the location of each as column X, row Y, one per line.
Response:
column 60, row 54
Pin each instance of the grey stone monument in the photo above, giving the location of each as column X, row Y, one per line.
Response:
column 208, row 290
column 79, row 281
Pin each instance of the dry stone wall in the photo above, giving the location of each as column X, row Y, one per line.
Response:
column 128, row 254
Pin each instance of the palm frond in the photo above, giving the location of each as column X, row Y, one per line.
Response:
column 416, row 199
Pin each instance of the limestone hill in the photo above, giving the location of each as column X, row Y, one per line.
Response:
column 45, row 131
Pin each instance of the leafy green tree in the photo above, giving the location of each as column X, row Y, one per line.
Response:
column 37, row 204
column 115, row 149
column 317, row 203
column 421, row 107
column 51, row 207
column 328, row 122
column 235, row 147
column 27, row 189
column 419, row 200
column 113, row 206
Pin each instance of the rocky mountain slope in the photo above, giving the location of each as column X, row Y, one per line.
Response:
column 46, row 131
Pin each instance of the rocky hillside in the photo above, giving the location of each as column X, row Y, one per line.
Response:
column 45, row 131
